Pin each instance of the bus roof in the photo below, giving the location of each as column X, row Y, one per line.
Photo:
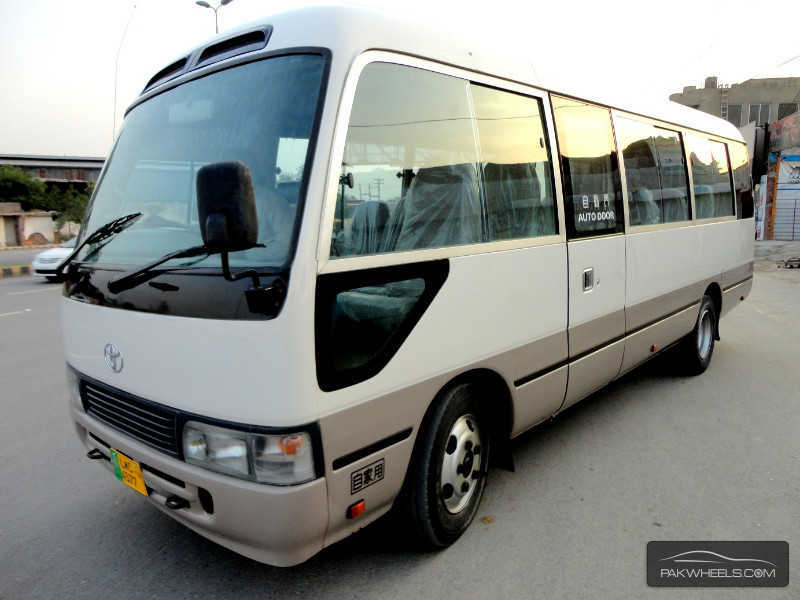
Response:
column 348, row 31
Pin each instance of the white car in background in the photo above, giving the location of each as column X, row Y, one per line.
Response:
column 45, row 263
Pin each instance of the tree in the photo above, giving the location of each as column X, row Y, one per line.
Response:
column 72, row 204
column 69, row 203
column 17, row 186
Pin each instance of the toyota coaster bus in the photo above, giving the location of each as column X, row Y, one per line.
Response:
column 334, row 264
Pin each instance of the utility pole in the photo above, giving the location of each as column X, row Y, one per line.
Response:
column 116, row 72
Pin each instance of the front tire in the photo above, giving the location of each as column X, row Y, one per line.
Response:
column 447, row 476
column 53, row 279
column 697, row 348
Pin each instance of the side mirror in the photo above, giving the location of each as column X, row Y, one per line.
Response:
column 226, row 206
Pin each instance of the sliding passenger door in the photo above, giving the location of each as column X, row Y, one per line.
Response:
column 595, row 245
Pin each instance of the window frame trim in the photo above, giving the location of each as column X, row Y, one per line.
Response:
column 618, row 114
column 725, row 142
column 736, row 204
column 602, row 234
column 328, row 264
column 685, row 132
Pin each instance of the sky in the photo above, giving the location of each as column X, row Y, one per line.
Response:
column 60, row 59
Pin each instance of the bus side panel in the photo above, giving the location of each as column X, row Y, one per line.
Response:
column 738, row 269
column 645, row 342
column 668, row 270
column 501, row 311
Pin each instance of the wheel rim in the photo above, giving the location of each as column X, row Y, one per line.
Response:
column 705, row 334
column 461, row 467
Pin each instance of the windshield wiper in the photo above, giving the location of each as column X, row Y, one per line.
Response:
column 139, row 276
column 100, row 234
column 145, row 273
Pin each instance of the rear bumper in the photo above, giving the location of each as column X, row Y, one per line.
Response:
column 277, row 525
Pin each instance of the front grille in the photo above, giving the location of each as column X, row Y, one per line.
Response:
column 150, row 423
column 50, row 261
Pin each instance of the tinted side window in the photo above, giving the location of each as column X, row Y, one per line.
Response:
column 655, row 172
column 409, row 174
column 363, row 317
column 713, row 196
column 592, row 194
column 515, row 165
column 742, row 182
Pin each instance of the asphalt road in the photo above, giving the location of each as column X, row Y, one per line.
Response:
column 19, row 257
column 655, row 456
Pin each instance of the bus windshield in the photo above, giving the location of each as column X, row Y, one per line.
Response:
column 261, row 113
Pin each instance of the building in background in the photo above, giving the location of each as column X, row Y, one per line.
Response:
column 36, row 227
column 753, row 101
column 782, row 181
column 58, row 170
column 766, row 112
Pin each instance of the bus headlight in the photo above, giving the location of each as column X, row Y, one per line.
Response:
column 280, row 459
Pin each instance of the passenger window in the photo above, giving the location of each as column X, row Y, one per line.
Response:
column 515, row 165
column 365, row 318
column 409, row 176
column 712, row 182
column 655, row 173
column 742, row 181
column 592, row 193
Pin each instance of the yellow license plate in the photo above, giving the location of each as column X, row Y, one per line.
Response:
column 128, row 471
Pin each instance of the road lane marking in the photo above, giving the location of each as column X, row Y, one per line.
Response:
column 16, row 312
column 33, row 291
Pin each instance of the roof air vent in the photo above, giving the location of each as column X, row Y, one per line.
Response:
column 167, row 72
column 247, row 42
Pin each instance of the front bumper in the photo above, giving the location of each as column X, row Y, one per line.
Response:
column 44, row 269
column 277, row 525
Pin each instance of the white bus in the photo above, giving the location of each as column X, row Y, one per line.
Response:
column 334, row 264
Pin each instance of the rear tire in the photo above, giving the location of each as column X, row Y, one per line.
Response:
column 697, row 348
column 447, row 476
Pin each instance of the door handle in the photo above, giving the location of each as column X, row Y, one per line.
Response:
column 588, row 280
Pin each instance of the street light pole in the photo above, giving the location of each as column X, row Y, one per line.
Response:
column 116, row 73
column 205, row 4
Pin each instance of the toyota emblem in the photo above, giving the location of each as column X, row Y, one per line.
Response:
column 113, row 357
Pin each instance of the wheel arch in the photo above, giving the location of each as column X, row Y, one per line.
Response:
column 714, row 292
column 494, row 391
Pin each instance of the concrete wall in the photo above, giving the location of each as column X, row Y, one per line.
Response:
column 40, row 224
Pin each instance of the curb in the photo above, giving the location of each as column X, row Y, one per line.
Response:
column 15, row 271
